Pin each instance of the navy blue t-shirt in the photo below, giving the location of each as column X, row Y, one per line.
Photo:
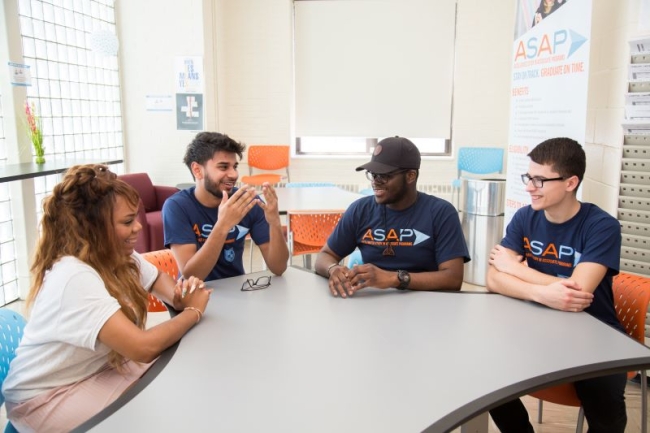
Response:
column 591, row 236
column 186, row 221
column 422, row 236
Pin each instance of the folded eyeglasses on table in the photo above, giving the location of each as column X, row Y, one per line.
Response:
column 261, row 283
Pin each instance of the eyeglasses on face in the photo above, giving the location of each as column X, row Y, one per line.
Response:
column 538, row 182
column 382, row 178
column 261, row 283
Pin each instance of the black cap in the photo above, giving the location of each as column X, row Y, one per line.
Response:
column 393, row 153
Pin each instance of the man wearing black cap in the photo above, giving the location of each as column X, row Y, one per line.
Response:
column 408, row 239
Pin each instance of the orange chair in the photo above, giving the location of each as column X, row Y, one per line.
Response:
column 631, row 299
column 271, row 157
column 163, row 260
column 308, row 231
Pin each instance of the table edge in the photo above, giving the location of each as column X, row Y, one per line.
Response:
column 132, row 392
column 483, row 404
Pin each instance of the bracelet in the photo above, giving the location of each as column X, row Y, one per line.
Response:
column 198, row 313
column 329, row 268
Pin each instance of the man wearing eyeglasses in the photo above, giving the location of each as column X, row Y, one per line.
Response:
column 408, row 239
column 562, row 253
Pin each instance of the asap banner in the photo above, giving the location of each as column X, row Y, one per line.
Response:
column 550, row 71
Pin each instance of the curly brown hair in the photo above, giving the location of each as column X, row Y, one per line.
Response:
column 78, row 221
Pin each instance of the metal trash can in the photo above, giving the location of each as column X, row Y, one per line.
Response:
column 482, row 207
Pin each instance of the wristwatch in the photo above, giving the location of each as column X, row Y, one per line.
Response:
column 404, row 279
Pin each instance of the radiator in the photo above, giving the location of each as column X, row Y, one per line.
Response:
column 441, row 190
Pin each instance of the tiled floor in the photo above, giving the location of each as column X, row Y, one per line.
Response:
column 557, row 419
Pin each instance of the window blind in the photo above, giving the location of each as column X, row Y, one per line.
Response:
column 374, row 68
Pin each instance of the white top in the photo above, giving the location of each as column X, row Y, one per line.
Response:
column 60, row 345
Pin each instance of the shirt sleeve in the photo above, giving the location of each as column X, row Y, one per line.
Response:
column 148, row 272
column 177, row 226
column 343, row 239
column 450, row 241
column 514, row 238
column 603, row 244
column 85, row 307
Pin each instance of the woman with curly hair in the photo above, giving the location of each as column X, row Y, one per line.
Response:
column 86, row 342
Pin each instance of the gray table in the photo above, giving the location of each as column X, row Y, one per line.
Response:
column 292, row 358
column 314, row 198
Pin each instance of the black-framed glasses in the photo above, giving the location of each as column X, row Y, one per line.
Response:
column 538, row 182
column 261, row 283
column 381, row 178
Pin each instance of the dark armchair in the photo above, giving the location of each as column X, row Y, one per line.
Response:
column 152, row 198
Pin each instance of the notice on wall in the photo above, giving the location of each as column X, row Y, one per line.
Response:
column 159, row 102
column 189, row 111
column 550, row 75
column 19, row 74
column 188, row 74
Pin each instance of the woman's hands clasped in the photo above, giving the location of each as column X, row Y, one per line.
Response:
column 191, row 292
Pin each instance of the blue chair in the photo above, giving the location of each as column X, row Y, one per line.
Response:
column 477, row 160
column 12, row 325
column 355, row 258
column 308, row 184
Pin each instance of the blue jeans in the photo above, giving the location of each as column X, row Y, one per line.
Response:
column 602, row 398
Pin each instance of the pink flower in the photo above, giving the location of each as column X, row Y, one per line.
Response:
column 34, row 128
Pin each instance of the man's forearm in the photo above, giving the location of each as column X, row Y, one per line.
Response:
column 324, row 262
column 278, row 252
column 449, row 276
column 205, row 259
column 435, row 280
column 530, row 275
column 509, row 285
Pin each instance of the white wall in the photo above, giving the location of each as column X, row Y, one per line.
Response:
column 613, row 23
column 254, row 69
column 152, row 33
column 247, row 46
column 252, row 48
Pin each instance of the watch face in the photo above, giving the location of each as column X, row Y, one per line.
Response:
column 404, row 279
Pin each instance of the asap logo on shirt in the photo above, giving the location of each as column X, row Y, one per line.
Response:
column 562, row 255
column 204, row 231
column 395, row 237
